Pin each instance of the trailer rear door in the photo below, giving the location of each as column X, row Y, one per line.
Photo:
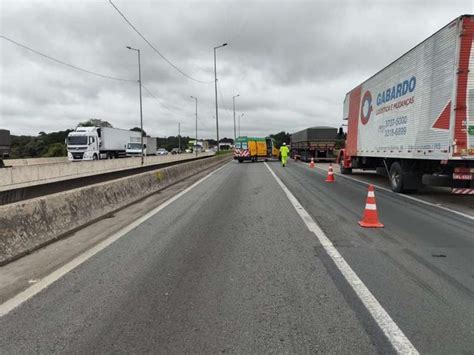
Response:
column 469, row 126
column 464, row 109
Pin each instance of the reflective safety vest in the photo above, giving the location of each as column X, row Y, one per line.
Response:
column 284, row 151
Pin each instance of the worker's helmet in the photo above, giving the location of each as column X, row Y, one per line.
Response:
column 284, row 143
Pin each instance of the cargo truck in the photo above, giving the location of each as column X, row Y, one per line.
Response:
column 318, row 143
column 93, row 143
column 134, row 147
column 414, row 119
column 198, row 145
column 5, row 143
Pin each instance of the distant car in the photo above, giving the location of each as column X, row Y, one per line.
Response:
column 162, row 151
column 176, row 151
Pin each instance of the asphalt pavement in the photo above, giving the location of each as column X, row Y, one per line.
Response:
column 231, row 267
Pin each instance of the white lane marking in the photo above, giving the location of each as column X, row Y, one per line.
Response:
column 405, row 196
column 25, row 295
column 394, row 334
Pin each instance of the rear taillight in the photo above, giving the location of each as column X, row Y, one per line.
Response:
column 462, row 170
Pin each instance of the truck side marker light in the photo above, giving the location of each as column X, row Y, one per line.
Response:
column 370, row 219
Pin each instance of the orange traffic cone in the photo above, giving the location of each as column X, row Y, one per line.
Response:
column 330, row 177
column 311, row 164
column 371, row 217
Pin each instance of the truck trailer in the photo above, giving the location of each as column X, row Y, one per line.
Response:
column 93, row 143
column 414, row 119
column 5, row 143
column 318, row 143
column 134, row 147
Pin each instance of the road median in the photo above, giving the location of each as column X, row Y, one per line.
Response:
column 31, row 224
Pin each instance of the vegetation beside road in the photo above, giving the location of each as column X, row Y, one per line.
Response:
column 280, row 138
column 224, row 152
column 52, row 144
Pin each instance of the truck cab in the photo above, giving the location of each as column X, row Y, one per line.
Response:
column 83, row 144
column 135, row 149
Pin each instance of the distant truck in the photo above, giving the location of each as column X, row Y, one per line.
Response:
column 93, row 143
column 199, row 145
column 414, row 119
column 134, row 147
column 5, row 143
column 319, row 143
column 255, row 148
column 225, row 146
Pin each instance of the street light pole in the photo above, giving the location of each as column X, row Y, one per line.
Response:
column 179, row 137
column 239, row 122
column 140, row 87
column 215, row 90
column 233, row 104
column 195, row 144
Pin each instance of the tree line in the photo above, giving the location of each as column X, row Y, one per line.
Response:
column 53, row 144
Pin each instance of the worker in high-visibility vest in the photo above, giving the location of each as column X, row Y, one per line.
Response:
column 284, row 154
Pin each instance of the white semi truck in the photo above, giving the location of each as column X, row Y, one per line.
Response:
column 414, row 119
column 134, row 147
column 94, row 143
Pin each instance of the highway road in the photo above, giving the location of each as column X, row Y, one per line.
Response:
column 257, row 258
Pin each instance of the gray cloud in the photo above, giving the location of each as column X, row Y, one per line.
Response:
column 291, row 62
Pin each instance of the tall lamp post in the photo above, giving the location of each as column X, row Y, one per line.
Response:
column 233, row 105
column 239, row 122
column 179, row 137
column 140, row 86
column 215, row 90
column 195, row 144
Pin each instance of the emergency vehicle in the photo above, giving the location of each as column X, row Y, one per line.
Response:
column 253, row 149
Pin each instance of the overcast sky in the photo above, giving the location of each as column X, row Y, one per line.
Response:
column 291, row 62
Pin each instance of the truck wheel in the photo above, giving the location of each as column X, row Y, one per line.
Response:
column 396, row 177
column 345, row 171
column 95, row 157
column 240, row 160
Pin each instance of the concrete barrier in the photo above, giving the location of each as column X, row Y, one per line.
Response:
column 34, row 161
column 28, row 225
column 29, row 175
